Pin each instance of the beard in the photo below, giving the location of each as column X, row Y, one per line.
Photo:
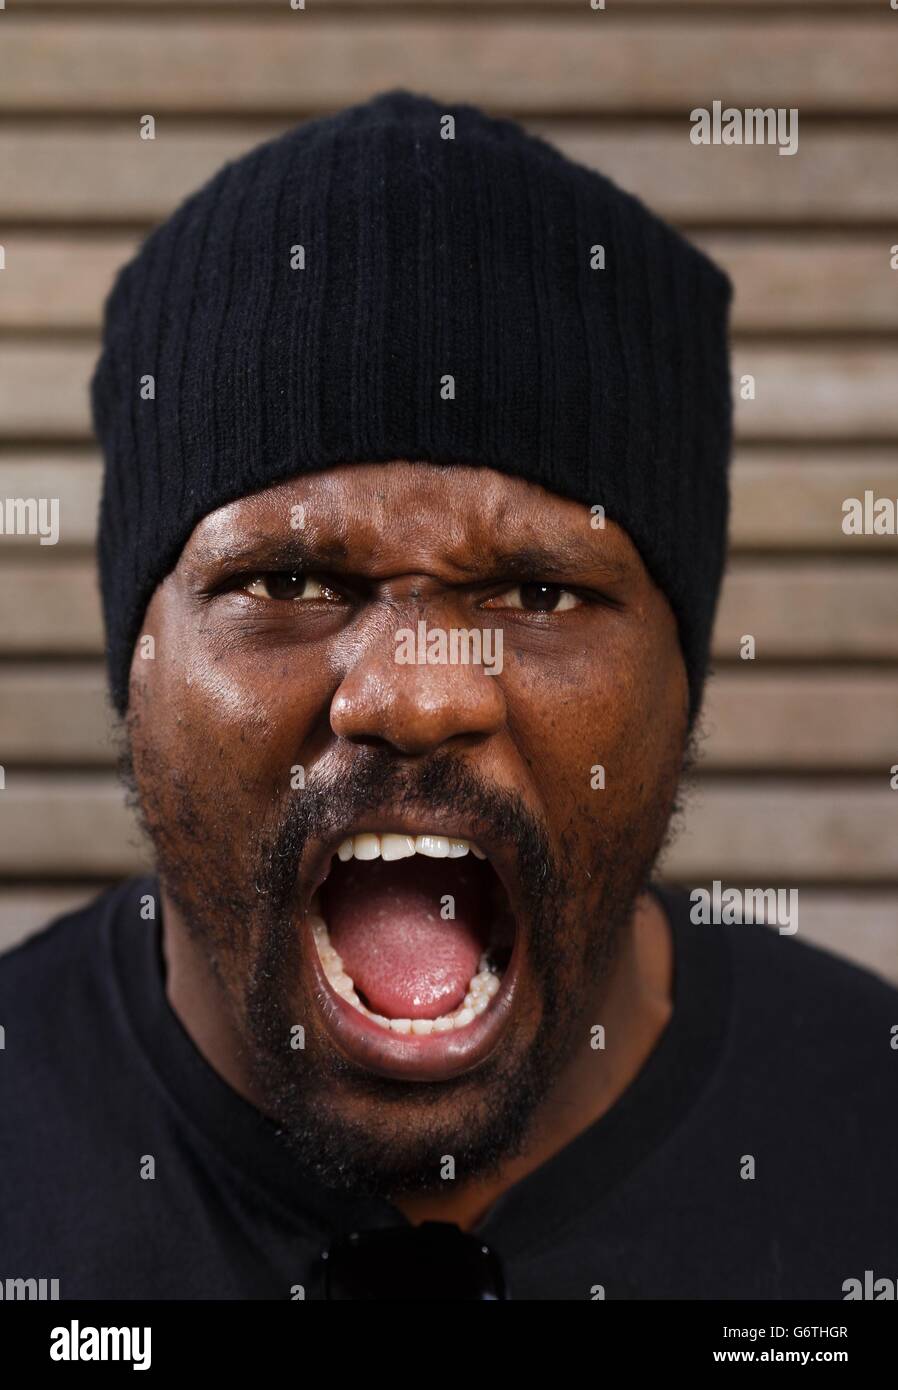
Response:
column 237, row 892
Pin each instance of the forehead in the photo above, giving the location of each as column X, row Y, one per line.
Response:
column 368, row 509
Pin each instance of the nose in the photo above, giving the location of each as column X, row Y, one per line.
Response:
column 415, row 708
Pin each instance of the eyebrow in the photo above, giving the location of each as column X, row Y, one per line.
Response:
column 292, row 551
column 521, row 562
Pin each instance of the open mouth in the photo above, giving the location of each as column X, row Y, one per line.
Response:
column 414, row 943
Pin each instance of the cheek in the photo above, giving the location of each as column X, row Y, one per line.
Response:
column 645, row 730
column 609, row 721
column 238, row 724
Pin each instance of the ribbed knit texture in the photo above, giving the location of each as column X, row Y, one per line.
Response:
column 423, row 257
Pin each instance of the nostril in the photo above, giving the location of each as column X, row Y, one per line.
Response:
column 373, row 741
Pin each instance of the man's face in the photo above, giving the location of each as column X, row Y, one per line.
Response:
column 275, row 722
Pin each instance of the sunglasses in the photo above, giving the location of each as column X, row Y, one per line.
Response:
column 431, row 1262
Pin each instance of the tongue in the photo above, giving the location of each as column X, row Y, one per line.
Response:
column 384, row 919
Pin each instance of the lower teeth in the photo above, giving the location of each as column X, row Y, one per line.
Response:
column 482, row 988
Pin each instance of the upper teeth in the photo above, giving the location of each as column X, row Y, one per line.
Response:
column 367, row 845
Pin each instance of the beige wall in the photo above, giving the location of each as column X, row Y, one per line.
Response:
column 795, row 789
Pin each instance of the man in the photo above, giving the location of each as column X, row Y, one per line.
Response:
column 416, row 440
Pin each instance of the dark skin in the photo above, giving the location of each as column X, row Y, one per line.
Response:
column 252, row 676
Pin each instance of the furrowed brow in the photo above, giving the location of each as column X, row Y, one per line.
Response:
column 303, row 552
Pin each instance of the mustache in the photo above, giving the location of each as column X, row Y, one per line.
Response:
column 376, row 784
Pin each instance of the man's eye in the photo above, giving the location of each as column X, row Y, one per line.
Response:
column 287, row 584
column 538, row 598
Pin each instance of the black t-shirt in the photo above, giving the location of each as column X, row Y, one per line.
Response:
column 775, row 1050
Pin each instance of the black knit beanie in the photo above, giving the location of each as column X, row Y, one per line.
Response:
column 304, row 307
